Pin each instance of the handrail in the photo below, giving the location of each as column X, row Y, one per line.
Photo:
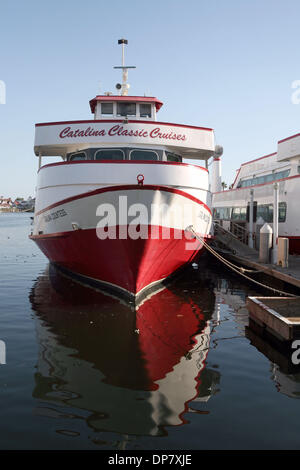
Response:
column 237, row 231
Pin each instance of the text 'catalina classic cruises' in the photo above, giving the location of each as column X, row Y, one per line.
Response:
column 257, row 180
column 115, row 210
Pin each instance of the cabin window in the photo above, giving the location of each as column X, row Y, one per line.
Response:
column 107, row 108
column 282, row 212
column 109, row 154
column 282, row 174
column 126, row 109
column 239, row 213
column 266, row 212
column 222, row 213
column 264, row 179
column 143, row 155
column 145, row 110
column 172, row 157
column 77, row 156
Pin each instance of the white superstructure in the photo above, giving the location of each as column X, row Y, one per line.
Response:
column 259, row 175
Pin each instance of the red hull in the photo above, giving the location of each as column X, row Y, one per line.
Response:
column 294, row 245
column 130, row 265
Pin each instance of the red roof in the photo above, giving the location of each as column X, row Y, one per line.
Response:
column 143, row 99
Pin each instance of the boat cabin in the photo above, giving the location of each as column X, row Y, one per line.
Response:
column 133, row 107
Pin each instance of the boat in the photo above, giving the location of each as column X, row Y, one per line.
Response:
column 231, row 207
column 115, row 209
column 6, row 205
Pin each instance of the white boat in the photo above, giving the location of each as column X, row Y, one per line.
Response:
column 115, row 208
column 231, row 207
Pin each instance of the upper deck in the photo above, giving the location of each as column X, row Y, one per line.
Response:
column 61, row 138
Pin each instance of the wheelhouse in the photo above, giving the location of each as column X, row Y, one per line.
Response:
column 109, row 106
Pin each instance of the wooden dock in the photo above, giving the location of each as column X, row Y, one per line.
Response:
column 279, row 315
column 241, row 254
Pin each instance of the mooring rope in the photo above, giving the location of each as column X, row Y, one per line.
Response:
column 237, row 269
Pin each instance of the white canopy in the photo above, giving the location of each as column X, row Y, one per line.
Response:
column 60, row 138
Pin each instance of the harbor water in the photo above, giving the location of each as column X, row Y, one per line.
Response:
column 83, row 370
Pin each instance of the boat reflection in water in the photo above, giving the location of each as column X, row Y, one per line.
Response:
column 132, row 371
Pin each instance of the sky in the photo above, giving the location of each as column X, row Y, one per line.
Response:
column 229, row 65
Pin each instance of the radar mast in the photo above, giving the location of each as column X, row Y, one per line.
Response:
column 124, row 87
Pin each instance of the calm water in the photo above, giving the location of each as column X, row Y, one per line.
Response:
column 84, row 371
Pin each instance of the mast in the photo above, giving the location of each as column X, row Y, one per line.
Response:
column 124, row 87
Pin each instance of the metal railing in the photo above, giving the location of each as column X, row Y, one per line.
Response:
column 236, row 230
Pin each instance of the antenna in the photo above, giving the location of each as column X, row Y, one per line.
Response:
column 125, row 86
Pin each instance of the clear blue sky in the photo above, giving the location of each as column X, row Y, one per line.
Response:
column 222, row 64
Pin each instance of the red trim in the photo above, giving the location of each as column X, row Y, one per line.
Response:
column 260, row 158
column 236, row 176
column 70, row 232
column 144, row 99
column 256, row 185
column 294, row 244
column 147, row 162
column 288, row 138
column 121, row 121
column 126, row 187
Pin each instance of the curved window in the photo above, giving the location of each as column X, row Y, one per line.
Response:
column 143, row 155
column 109, row 154
column 77, row 156
column 172, row 157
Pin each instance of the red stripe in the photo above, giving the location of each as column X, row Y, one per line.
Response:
column 147, row 162
column 236, row 176
column 260, row 158
column 121, row 121
column 257, row 185
column 125, row 187
column 66, row 234
column 288, row 138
